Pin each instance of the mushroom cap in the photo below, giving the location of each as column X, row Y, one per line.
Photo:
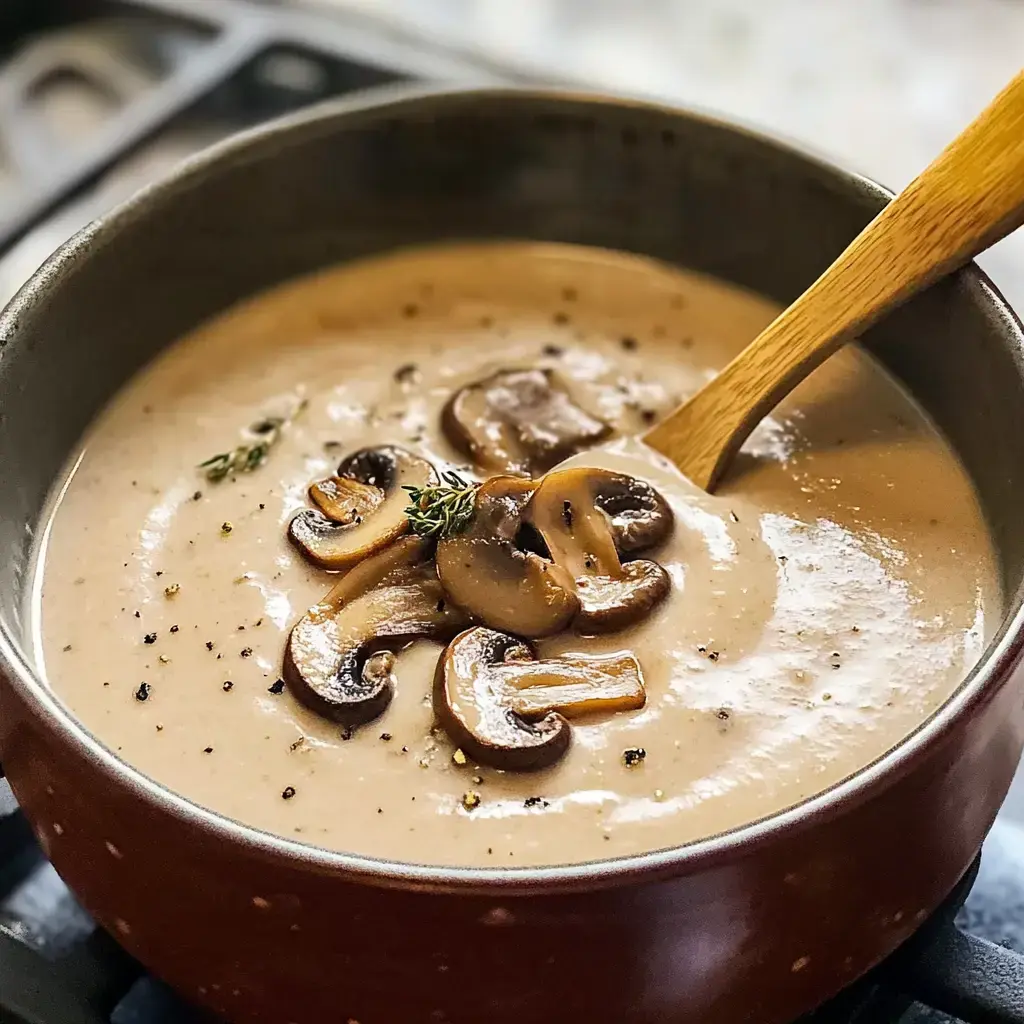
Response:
column 333, row 543
column 638, row 514
column 505, row 708
column 567, row 511
column 519, row 421
column 487, row 574
column 340, row 655
column 611, row 603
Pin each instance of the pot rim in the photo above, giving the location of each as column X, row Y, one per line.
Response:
column 991, row 671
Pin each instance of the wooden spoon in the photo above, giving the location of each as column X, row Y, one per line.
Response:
column 968, row 199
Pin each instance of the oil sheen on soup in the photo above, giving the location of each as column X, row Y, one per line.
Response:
column 829, row 597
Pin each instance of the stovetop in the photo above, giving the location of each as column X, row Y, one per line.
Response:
column 98, row 97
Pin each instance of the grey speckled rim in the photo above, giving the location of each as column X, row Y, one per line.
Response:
column 996, row 664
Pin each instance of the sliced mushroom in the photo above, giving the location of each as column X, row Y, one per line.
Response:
column 638, row 515
column 564, row 510
column 486, row 573
column 504, row 708
column 333, row 539
column 519, row 421
column 340, row 656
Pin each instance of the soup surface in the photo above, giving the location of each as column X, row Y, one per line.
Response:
column 830, row 596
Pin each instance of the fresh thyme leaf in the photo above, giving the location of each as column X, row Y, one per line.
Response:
column 247, row 457
column 442, row 510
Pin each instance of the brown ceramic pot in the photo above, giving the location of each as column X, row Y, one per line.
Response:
column 757, row 925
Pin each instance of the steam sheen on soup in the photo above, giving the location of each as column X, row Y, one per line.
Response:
column 817, row 609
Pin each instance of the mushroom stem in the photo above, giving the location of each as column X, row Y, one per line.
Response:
column 344, row 500
column 371, row 572
column 574, row 685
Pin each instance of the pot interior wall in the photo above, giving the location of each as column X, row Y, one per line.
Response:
column 343, row 186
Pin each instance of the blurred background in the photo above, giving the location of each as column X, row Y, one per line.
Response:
column 878, row 85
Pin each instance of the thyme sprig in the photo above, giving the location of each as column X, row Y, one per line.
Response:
column 442, row 510
column 247, row 457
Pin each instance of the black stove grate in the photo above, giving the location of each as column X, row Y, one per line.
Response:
column 228, row 64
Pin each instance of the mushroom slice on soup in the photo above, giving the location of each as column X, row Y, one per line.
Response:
column 340, row 656
column 503, row 707
column 486, row 571
column 568, row 512
column 361, row 509
column 519, row 421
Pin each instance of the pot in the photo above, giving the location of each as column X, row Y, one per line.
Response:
column 760, row 924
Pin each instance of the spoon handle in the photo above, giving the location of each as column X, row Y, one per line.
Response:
column 965, row 201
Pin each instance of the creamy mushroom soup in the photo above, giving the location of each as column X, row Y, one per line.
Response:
column 693, row 663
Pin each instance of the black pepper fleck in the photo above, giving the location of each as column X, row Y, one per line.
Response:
column 287, row 793
column 407, row 373
column 633, row 756
column 535, row 801
column 567, row 513
column 67, row 647
column 276, row 687
column 262, row 506
column 386, row 737
column 207, row 750
column 409, row 310
column 209, row 645
column 347, row 732
column 553, row 350
column 246, row 652
column 149, row 638
column 648, row 415
column 561, row 318
column 138, row 615
column 197, row 495
column 174, row 629
column 143, row 692
column 628, row 343
column 227, row 685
